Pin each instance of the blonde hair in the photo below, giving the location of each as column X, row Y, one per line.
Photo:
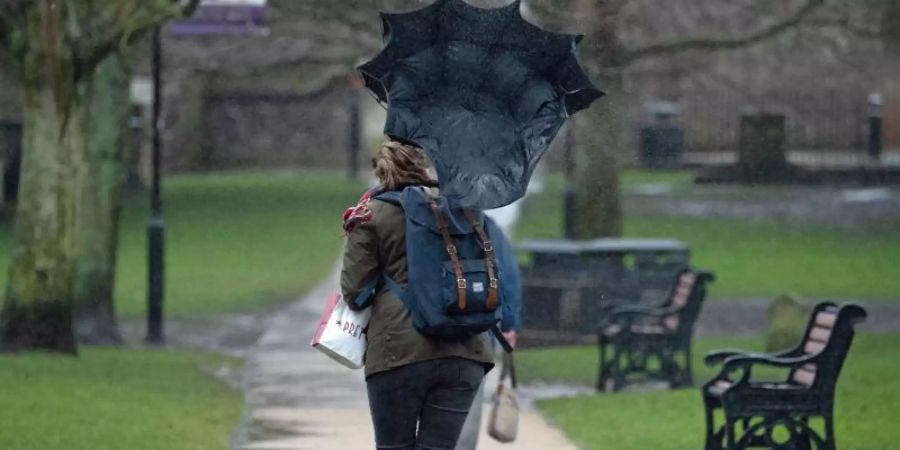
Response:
column 397, row 165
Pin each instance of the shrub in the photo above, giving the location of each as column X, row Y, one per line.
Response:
column 787, row 322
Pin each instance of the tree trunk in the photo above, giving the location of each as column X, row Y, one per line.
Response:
column 37, row 312
column 600, row 129
column 598, row 206
column 99, row 210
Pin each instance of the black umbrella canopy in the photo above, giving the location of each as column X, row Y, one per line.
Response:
column 482, row 91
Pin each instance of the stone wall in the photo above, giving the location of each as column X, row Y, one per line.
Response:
column 276, row 130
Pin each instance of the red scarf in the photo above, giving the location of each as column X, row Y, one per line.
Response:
column 358, row 214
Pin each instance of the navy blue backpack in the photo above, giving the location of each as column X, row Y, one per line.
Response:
column 456, row 271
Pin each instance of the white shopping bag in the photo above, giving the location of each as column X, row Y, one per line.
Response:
column 340, row 333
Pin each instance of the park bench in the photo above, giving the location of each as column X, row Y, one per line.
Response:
column 777, row 414
column 631, row 335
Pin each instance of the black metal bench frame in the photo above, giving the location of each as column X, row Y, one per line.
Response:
column 631, row 334
column 761, row 408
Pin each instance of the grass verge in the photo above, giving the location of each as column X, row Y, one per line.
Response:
column 867, row 403
column 115, row 399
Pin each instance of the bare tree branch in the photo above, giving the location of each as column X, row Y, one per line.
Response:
column 130, row 24
column 850, row 27
column 723, row 43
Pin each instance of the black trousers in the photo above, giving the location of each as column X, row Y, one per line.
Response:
column 423, row 406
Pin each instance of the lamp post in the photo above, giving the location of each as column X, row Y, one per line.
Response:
column 157, row 227
column 212, row 18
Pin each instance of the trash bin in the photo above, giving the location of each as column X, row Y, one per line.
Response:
column 661, row 140
column 566, row 282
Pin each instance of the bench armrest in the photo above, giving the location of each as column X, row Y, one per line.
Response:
column 748, row 361
column 719, row 356
column 744, row 363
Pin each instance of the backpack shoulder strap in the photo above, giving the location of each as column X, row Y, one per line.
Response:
column 489, row 261
column 392, row 197
column 450, row 247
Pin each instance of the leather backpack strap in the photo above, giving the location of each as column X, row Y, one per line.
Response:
column 489, row 260
column 450, row 247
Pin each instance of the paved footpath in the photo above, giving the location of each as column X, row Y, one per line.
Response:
column 298, row 399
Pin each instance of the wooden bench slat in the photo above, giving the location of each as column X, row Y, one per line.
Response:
column 813, row 347
column 826, row 319
column 820, row 334
column 805, row 375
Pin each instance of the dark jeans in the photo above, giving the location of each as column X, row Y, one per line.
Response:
column 435, row 395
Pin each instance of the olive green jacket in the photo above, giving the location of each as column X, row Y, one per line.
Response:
column 379, row 246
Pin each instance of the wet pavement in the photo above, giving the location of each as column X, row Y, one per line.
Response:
column 298, row 399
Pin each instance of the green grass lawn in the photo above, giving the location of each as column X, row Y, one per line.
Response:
column 115, row 400
column 752, row 259
column 867, row 404
column 677, row 179
column 235, row 241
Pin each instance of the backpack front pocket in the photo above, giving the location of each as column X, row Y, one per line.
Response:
column 476, row 283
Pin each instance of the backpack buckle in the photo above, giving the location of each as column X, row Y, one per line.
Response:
column 451, row 249
column 461, row 283
column 488, row 246
column 494, row 283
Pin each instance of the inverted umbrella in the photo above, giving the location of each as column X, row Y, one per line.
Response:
column 482, row 91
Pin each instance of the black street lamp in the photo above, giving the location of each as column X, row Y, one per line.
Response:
column 157, row 227
column 212, row 17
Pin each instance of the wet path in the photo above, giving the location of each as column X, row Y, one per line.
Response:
column 297, row 399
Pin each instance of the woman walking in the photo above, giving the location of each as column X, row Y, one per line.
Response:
column 420, row 388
